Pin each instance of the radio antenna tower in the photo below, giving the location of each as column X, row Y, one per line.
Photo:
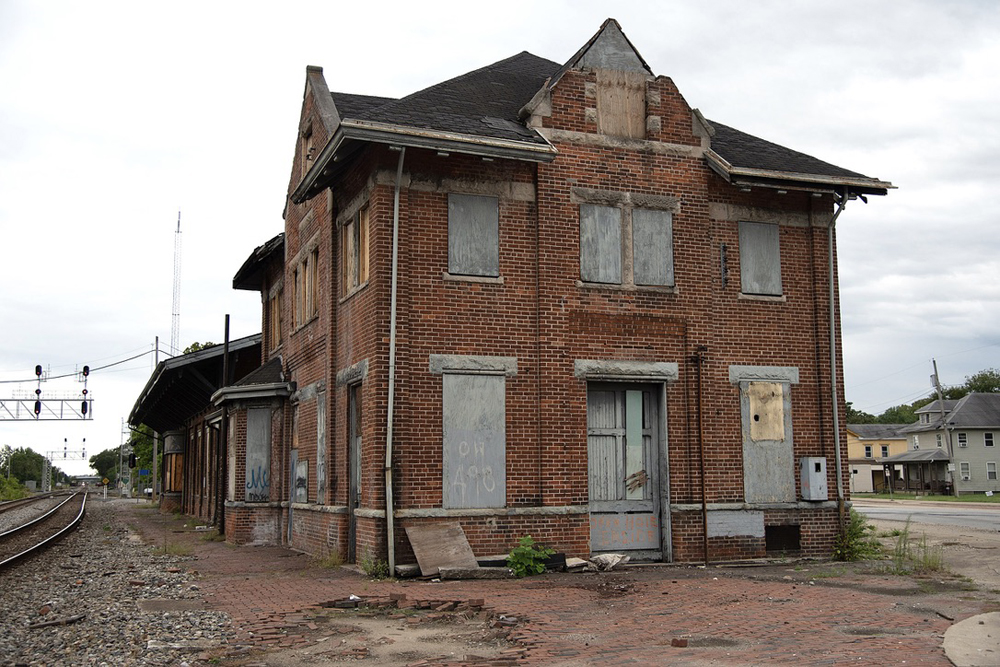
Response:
column 175, row 323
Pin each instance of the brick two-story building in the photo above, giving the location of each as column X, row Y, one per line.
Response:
column 547, row 299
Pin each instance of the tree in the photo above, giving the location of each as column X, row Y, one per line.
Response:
column 194, row 347
column 984, row 382
column 858, row 416
column 106, row 464
column 900, row 414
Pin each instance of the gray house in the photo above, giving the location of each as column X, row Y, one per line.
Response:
column 962, row 435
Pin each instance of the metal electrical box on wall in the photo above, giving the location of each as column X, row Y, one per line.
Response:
column 813, row 475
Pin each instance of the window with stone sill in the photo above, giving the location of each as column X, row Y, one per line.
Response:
column 473, row 236
column 760, row 259
column 627, row 246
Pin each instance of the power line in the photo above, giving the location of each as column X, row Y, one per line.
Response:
column 96, row 368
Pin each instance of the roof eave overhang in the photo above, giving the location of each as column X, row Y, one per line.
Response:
column 351, row 132
column 787, row 180
column 271, row 390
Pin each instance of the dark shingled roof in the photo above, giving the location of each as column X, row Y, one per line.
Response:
column 746, row 151
column 484, row 102
column 877, row 431
column 269, row 373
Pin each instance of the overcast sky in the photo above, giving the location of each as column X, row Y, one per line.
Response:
column 114, row 116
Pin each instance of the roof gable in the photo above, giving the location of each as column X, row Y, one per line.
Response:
column 609, row 48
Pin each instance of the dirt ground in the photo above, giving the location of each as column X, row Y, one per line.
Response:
column 969, row 552
column 566, row 619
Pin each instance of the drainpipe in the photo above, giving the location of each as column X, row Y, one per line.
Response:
column 833, row 358
column 220, row 504
column 390, row 528
column 698, row 360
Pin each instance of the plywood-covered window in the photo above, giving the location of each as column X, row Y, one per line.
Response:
column 626, row 246
column 621, row 103
column 760, row 259
column 473, row 235
column 475, row 440
column 354, row 251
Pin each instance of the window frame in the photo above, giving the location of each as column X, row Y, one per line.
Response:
column 600, row 266
column 963, row 439
column 869, row 452
column 355, row 249
column 274, row 319
column 988, row 440
column 466, row 232
column 991, row 475
column 885, row 450
column 753, row 281
column 965, row 471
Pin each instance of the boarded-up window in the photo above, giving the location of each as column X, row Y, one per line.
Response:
column 652, row 247
column 621, row 103
column 475, row 441
column 760, row 259
column 473, row 235
column 767, row 411
column 600, row 244
column 258, row 462
column 274, row 320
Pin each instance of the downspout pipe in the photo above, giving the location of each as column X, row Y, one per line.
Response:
column 841, row 203
column 389, row 518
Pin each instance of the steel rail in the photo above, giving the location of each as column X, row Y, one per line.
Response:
column 51, row 538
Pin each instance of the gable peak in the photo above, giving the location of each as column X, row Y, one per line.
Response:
column 609, row 48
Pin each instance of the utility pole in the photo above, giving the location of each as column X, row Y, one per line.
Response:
column 947, row 431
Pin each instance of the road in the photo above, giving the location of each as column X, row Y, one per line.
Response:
column 966, row 515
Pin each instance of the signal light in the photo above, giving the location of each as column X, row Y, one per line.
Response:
column 131, row 460
column 86, row 371
column 83, row 407
column 38, row 408
column 38, row 370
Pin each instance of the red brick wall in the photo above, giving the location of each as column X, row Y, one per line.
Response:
column 541, row 316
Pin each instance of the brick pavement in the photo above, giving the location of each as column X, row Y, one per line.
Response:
column 641, row 616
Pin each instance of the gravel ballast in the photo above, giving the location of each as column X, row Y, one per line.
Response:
column 103, row 597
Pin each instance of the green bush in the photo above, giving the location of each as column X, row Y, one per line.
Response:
column 11, row 489
column 528, row 558
column 857, row 540
column 376, row 568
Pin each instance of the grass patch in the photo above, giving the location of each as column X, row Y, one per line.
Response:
column 332, row 561
column 213, row 536
column 914, row 556
column 173, row 550
column 906, row 495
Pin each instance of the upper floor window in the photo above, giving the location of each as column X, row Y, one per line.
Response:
column 621, row 103
column 916, row 441
column 868, row 451
column 760, row 259
column 939, row 439
column 965, row 470
column 354, row 251
column 925, row 419
column 885, row 450
column 988, row 439
column 473, row 235
column 963, row 439
column 626, row 246
column 274, row 320
column 305, row 286
column 991, row 470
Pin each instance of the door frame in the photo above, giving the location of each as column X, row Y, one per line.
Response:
column 661, row 497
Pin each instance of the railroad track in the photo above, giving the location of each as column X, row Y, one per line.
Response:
column 40, row 532
column 9, row 505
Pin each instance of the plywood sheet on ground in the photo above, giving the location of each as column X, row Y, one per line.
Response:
column 438, row 545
